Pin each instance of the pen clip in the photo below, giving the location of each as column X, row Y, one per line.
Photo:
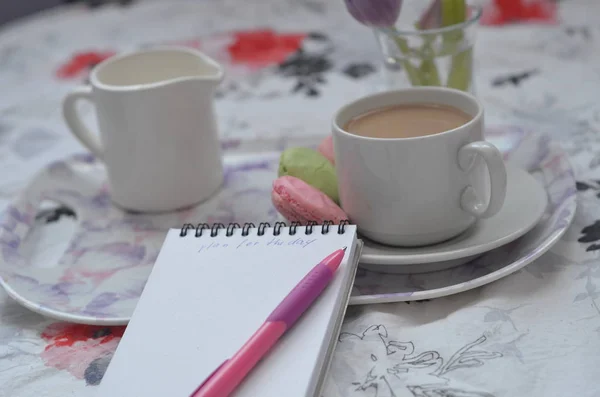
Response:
column 209, row 376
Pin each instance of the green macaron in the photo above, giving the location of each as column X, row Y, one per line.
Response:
column 312, row 167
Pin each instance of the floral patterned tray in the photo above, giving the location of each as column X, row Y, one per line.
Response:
column 99, row 275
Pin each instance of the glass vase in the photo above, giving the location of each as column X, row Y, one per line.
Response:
column 431, row 57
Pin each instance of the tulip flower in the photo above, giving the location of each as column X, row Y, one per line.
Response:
column 432, row 18
column 375, row 13
column 443, row 13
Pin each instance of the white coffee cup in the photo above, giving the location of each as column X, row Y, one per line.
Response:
column 158, row 136
column 423, row 190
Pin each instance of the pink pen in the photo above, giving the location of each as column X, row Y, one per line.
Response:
column 228, row 376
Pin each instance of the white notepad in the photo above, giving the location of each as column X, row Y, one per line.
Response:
column 207, row 295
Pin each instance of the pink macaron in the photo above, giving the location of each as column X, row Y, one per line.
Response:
column 326, row 149
column 297, row 201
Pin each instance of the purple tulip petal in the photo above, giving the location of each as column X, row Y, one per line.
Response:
column 380, row 13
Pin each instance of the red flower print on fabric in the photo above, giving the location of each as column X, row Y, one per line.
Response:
column 82, row 350
column 260, row 48
column 500, row 12
column 80, row 63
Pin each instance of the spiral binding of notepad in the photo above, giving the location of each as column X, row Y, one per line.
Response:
column 309, row 228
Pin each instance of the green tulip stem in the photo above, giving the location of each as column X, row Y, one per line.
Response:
column 411, row 71
column 426, row 73
column 461, row 71
column 459, row 77
column 428, row 69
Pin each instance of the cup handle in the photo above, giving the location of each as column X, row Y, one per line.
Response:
column 469, row 200
column 78, row 128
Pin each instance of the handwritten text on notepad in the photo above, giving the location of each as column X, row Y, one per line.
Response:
column 249, row 243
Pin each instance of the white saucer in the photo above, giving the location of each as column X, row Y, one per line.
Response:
column 549, row 164
column 525, row 203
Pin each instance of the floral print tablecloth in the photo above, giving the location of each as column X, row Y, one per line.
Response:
column 290, row 64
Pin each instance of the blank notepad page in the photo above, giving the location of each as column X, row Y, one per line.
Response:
column 207, row 295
